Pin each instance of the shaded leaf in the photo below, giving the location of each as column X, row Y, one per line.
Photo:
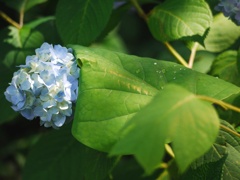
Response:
column 212, row 170
column 172, row 20
column 203, row 61
column 227, row 145
column 191, row 124
column 23, row 5
column 115, row 18
column 80, row 21
column 225, row 67
column 222, row 35
column 58, row 155
column 37, row 22
column 128, row 168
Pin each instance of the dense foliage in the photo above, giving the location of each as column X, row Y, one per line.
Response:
column 155, row 95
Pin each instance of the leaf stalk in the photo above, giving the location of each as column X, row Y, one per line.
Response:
column 229, row 130
column 169, row 47
column 139, row 9
column 193, row 54
column 9, row 20
column 176, row 54
column 220, row 103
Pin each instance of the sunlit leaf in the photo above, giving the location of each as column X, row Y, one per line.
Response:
column 223, row 33
column 114, row 87
column 191, row 124
column 172, row 20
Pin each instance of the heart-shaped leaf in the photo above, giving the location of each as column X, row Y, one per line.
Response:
column 174, row 114
column 114, row 87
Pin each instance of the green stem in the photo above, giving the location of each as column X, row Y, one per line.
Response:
column 163, row 166
column 193, row 54
column 220, row 103
column 169, row 47
column 176, row 54
column 9, row 20
column 169, row 150
column 225, row 106
column 21, row 15
column 229, row 130
column 139, row 9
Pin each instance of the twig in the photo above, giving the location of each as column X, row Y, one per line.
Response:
column 170, row 48
column 9, row 20
column 220, row 103
column 169, row 150
column 21, row 15
column 139, row 9
column 229, row 130
column 193, row 54
column 176, row 54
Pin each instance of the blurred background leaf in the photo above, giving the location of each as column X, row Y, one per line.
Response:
column 57, row 155
column 80, row 21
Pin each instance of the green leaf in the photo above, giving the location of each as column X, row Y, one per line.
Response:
column 128, row 168
column 191, row 124
column 225, row 67
column 24, row 41
column 23, row 5
column 222, row 35
column 203, row 61
column 231, row 167
column 172, row 20
column 82, row 21
column 114, row 87
column 24, row 37
column 37, row 22
column 112, row 42
column 212, row 170
column 57, row 155
column 115, row 18
column 238, row 57
column 227, row 144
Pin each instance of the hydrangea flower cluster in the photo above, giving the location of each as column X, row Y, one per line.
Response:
column 46, row 86
column 231, row 9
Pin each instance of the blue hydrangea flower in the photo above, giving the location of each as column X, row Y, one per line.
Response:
column 231, row 9
column 46, row 86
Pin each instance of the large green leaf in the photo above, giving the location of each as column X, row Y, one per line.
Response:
column 225, row 67
column 58, row 155
column 82, row 21
column 114, row 87
column 222, row 35
column 173, row 20
column 174, row 114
